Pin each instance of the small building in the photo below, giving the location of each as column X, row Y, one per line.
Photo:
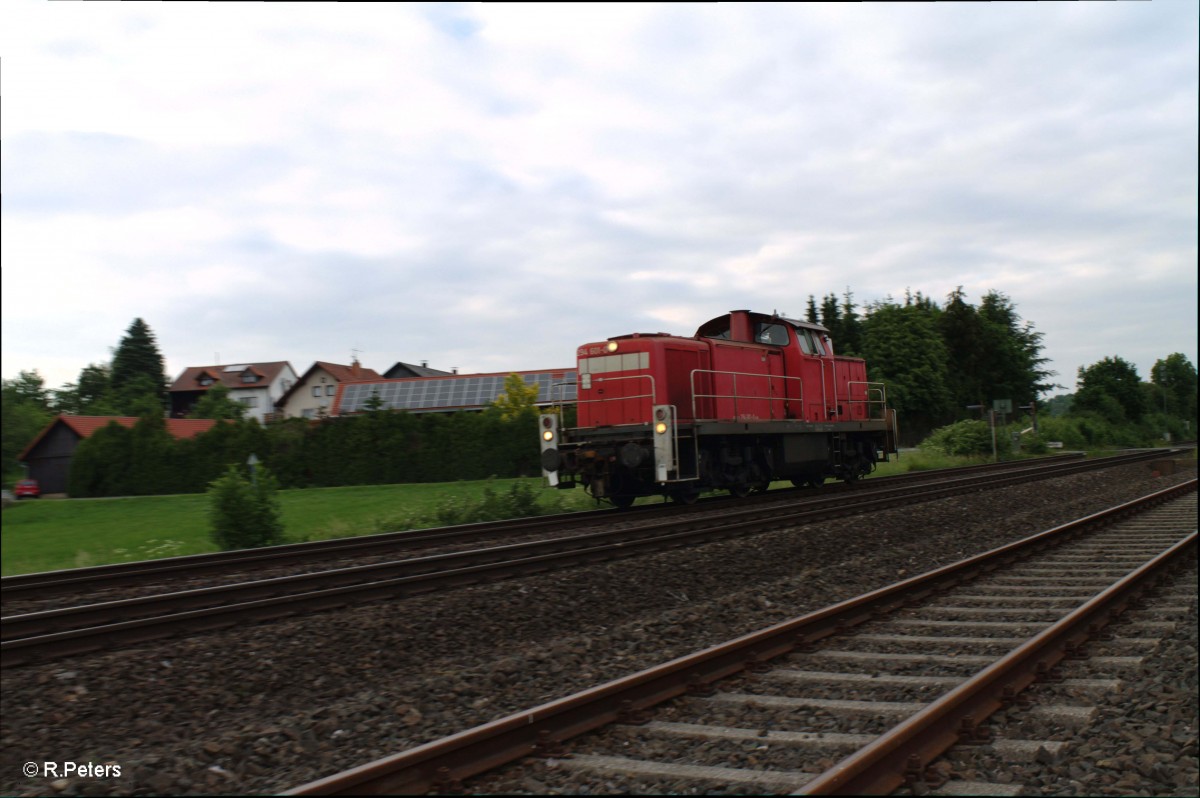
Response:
column 48, row 457
column 314, row 392
column 256, row 385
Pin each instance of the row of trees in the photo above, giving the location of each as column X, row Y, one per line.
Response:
column 936, row 360
column 132, row 384
column 376, row 447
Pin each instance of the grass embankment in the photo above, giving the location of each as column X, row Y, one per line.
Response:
column 52, row 534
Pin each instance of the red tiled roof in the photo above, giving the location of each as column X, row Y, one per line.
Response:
column 86, row 426
column 189, row 380
column 351, row 373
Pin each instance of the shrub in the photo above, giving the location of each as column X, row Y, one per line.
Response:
column 245, row 514
column 519, row 501
column 964, row 438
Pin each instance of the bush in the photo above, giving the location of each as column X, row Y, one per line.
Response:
column 245, row 514
column 964, row 438
column 520, row 501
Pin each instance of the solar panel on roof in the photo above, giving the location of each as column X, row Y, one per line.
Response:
column 432, row 394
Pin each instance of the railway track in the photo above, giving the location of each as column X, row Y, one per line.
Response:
column 46, row 634
column 87, row 581
column 897, row 676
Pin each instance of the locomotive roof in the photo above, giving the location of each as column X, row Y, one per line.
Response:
column 812, row 325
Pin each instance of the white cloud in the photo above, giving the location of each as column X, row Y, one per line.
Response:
column 288, row 181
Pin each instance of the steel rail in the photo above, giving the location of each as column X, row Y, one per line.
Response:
column 17, row 586
column 75, row 630
column 894, row 758
column 443, row 764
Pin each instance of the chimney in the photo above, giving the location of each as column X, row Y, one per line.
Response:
column 424, row 364
column 355, row 368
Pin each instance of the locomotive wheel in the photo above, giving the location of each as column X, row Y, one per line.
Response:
column 740, row 490
column 685, row 496
column 761, row 487
column 622, row 501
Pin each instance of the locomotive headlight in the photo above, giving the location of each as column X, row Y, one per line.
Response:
column 660, row 428
column 548, row 435
column 612, row 346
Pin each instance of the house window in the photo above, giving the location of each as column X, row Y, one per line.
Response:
column 330, row 390
column 316, row 390
column 249, row 401
column 206, row 381
column 248, row 376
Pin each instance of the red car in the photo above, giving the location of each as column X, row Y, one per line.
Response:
column 27, row 489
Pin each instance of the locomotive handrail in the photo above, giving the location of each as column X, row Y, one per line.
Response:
column 869, row 388
column 562, row 401
column 770, row 400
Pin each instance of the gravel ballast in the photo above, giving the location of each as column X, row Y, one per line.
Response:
column 272, row 706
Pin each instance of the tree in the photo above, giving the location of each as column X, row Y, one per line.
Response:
column 216, row 404
column 1111, row 389
column 1176, row 378
column 24, row 412
column 137, row 356
column 1014, row 349
column 245, row 513
column 517, row 397
column 849, row 338
column 29, row 388
column 903, row 349
column 91, row 395
column 138, row 396
column 962, row 330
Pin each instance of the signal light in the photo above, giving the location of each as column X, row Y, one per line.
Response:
column 548, row 435
column 660, row 428
column 612, row 346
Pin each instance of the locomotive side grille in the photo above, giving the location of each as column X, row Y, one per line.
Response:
column 630, row 361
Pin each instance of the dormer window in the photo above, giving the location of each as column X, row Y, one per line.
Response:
column 206, row 381
column 249, row 377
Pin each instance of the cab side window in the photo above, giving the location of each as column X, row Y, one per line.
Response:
column 810, row 343
column 805, row 341
column 771, row 333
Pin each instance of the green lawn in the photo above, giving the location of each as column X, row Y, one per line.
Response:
column 51, row 534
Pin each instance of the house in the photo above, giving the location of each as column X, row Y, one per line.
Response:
column 48, row 456
column 450, row 392
column 402, row 370
column 313, row 393
column 256, row 385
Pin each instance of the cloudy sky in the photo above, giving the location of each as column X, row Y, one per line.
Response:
column 488, row 186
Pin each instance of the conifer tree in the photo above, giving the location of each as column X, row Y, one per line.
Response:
column 137, row 356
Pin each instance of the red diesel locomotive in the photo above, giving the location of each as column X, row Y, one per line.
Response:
column 749, row 399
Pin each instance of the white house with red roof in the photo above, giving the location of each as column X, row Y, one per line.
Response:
column 314, row 392
column 256, row 385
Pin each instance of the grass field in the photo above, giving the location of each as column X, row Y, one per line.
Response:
column 52, row 534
